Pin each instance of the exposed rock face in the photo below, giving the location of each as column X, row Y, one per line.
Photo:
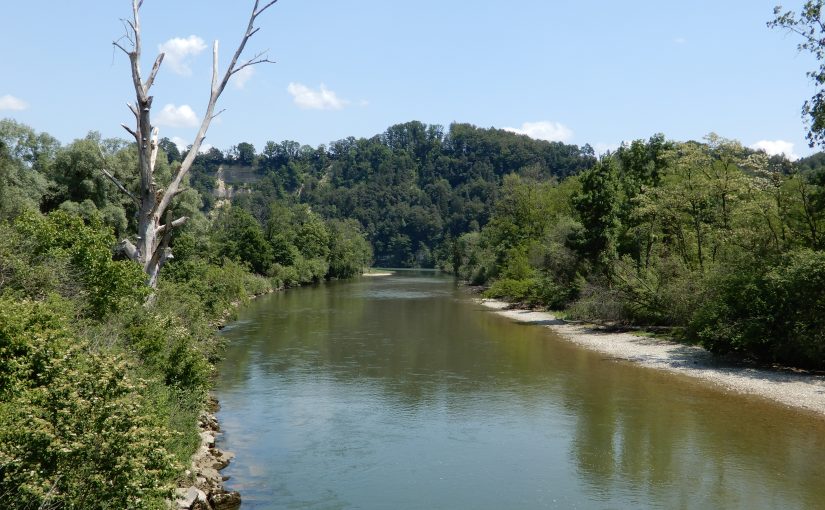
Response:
column 207, row 492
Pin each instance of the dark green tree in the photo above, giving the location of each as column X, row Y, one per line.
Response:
column 598, row 207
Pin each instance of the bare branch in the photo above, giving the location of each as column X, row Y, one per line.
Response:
column 253, row 61
column 154, row 73
column 120, row 186
column 214, row 70
column 131, row 131
column 124, row 50
column 258, row 12
column 220, row 112
column 175, row 224
column 112, row 178
column 134, row 109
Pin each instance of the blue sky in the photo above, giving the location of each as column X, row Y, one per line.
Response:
column 598, row 72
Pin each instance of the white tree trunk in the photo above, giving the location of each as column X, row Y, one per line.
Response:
column 155, row 221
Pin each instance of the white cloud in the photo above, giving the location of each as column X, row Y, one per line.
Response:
column 178, row 50
column 243, row 76
column 544, row 130
column 180, row 142
column 9, row 102
column 205, row 147
column 177, row 116
column 680, row 40
column 309, row 99
column 774, row 147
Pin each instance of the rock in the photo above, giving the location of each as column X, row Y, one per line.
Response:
column 208, row 439
column 226, row 500
column 221, row 458
column 185, row 498
column 213, row 478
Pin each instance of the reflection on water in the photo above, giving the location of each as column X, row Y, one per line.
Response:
column 399, row 392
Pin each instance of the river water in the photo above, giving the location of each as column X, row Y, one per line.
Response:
column 401, row 393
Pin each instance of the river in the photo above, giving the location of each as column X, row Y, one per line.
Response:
column 400, row 392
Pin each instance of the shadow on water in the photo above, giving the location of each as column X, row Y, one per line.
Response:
column 398, row 392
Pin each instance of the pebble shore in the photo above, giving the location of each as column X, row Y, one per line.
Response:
column 800, row 390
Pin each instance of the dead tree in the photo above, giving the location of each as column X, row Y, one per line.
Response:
column 155, row 218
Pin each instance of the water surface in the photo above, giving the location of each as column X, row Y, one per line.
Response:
column 401, row 393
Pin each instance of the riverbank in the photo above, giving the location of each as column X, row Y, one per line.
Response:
column 800, row 390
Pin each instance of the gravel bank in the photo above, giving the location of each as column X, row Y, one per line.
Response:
column 799, row 390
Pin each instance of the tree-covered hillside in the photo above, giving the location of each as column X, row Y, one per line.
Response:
column 412, row 188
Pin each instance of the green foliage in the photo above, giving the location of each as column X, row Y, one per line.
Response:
column 240, row 237
column 106, row 285
column 349, row 253
column 809, row 25
column 709, row 238
column 774, row 313
column 410, row 188
column 598, row 206
column 75, row 431
column 512, row 290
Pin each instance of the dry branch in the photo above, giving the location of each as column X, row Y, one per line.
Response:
column 153, row 238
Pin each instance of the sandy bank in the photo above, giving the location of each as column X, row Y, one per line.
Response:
column 798, row 390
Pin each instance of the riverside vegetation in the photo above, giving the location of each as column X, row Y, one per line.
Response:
column 99, row 399
column 101, row 388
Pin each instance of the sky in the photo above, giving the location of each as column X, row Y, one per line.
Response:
column 590, row 71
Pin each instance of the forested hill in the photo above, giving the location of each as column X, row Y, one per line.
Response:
column 412, row 187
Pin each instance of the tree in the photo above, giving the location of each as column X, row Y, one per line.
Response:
column 598, row 206
column 155, row 219
column 246, row 154
column 171, row 150
column 811, row 27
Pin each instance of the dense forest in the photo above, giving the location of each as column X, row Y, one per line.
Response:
column 412, row 188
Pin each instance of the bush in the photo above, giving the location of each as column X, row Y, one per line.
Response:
column 105, row 285
column 512, row 290
column 75, row 429
column 774, row 314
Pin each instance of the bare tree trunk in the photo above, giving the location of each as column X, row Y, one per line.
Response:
column 155, row 220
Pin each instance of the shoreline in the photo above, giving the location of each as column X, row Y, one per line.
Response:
column 204, row 481
column 801, row 391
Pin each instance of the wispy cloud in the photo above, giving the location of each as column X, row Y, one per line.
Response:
column 242, row 77
column 680, row 40
column 177, row 116
column 544, row 130
column 774, row 147
column 9, row 102
column 321, row 99
column 178, row 51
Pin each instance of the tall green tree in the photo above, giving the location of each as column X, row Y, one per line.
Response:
column 598, row 205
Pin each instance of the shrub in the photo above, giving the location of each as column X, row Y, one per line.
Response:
column 774, row 314
column 75, row 430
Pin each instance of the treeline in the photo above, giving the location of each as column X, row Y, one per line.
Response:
column 413, row 188
column 100, row 388
column 719, row 242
